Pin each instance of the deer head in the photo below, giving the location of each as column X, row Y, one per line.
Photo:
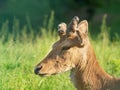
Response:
column 67, row 52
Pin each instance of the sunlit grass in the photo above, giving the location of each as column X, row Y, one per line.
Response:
column 17, row 62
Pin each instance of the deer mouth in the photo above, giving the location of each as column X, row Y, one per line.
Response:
column 43, row 75
column 46, row 74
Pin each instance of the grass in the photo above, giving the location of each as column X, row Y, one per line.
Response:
column 17, row 62
column 18, row 58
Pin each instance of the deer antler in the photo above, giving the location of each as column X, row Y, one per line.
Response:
column 62, row 29
column 73, row 25
column 79, row 28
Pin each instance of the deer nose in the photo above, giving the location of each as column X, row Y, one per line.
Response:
column 37, row 69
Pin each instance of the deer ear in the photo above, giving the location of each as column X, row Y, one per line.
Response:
column 83, row 26
column 82, row 31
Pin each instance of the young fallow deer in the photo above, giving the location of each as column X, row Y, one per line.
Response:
column 74, row 52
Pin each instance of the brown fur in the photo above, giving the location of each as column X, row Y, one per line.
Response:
column 74, row 52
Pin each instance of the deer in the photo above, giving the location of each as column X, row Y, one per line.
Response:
column 73, row 51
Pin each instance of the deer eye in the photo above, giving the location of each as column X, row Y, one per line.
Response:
column 65, row 48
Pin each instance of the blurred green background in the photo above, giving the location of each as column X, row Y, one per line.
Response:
column 37, row 13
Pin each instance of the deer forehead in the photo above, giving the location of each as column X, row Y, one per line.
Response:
column 60, row 44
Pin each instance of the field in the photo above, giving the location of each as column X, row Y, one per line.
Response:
column 18, row 58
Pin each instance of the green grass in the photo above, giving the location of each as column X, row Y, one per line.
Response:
column 20, row 54
column 17, row 61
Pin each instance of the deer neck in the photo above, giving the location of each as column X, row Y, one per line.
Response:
column 88, row 75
